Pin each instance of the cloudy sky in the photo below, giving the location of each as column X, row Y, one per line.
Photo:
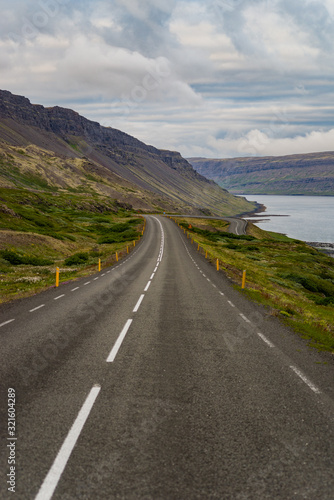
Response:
column 213, row 78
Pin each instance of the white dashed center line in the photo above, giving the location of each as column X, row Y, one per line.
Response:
column 50, row 482
column 147, row 286
column 119, row 341
column 138, row 303
column 74, row 289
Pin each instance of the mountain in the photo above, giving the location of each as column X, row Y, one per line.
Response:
column 57, row 149
column 303, row 174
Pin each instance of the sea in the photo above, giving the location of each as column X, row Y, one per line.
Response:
column 306, row 218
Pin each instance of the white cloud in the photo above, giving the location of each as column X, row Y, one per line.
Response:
column 257, row 143
column 204, row 78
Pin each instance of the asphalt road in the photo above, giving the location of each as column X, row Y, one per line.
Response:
column 237, row 226
column 158, row 380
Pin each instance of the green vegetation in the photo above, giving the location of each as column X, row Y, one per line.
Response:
column 17, row 259
column 77, row 259
column 40, row 231
column 294, row 280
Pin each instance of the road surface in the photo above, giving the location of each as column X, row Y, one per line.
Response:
column 156, row 379
column 237, row 226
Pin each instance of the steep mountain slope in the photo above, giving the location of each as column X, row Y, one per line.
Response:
column 307, row 174
column 56, row 148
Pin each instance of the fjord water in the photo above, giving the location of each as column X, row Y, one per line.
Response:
column 310, row 218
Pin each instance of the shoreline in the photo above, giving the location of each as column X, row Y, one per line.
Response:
column 259, row 209
column 260, row 215
column 327, row 248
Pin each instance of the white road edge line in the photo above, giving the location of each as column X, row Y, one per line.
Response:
column 151, row 278
column 50, row 482
column 118, row 342
column 88, row 283
column 244, row 318
column 270, row 344
column 138, row 303
column 74, row 289
column 147, row 286
column 36, row 308
column 7, row 322
column 231, row 303
column 313, row 387
column 60, row 297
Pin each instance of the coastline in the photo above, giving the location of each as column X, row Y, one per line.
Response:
column 327, row 248
column 259, row 209
column 308, row 219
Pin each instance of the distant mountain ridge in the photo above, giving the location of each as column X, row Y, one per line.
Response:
column 124, row 167
column 303, row 174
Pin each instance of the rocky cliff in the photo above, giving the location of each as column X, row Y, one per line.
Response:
column 120, row 159
column 305, row 174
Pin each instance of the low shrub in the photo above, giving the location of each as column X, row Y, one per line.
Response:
column 77, row 259
column 324, row 301
column 120, row 227
column 117, row 237
column 313, row 284
column 17, row 259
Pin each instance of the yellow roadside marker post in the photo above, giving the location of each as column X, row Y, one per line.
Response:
column 99, row 265
column 57, row 277
column 217, row 265
column 127, row 249
column 206, row 254
column 244, row 280
column 134, row 243
column 117, row 256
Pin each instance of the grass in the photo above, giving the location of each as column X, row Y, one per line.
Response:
column 294, row 280
column 42, row 230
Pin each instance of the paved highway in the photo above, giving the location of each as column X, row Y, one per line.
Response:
column 156, row 379
column 237, row 225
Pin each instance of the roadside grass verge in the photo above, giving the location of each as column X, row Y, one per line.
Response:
column 42, row 231
column 295, row 281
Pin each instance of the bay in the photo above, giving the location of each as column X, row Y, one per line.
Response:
column 309, row 218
